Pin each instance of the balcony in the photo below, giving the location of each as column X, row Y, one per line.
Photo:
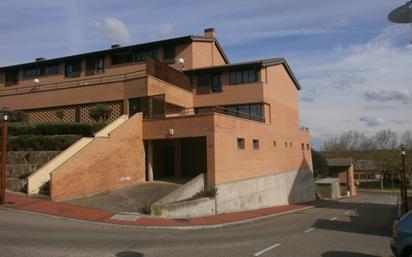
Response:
column 100, row 81
column 170, row 113
column 152, row 67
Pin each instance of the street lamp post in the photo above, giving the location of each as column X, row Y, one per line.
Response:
column 3, row 158
column 404, row 187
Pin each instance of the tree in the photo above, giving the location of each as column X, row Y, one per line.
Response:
column 18, row 116
column 386, row 139
column 406, row 139
column 320, row 165
column 59, row 114
column 100, row 112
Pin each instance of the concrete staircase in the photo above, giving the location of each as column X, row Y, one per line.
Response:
column 37, row 181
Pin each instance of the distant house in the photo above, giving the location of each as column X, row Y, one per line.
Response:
column 344, row 170
column 366, row 171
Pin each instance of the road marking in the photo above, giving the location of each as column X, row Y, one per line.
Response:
column 347, row 213
column 308, row 230
column 266, row 249
column 334, row 218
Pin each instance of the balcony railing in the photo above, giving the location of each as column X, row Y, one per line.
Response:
column 204, row 110
column 103, row 80
column 168, row 74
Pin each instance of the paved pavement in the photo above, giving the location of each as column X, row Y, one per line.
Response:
column 24, row 203
column 355, row 227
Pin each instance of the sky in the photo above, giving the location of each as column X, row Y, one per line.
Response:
column 354, row 65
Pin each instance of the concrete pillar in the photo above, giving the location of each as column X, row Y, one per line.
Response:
column 150, row 160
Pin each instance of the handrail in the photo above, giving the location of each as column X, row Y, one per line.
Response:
column 72, row 83
column 204, row 110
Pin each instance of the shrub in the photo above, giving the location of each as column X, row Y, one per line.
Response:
column 41, row 143
column 18, row 116
column 84, row 129
column 100, row 112
column 59, row 114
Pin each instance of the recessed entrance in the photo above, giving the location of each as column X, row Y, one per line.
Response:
column 176, row 160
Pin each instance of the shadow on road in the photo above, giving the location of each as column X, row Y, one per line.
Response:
column 129, row 254
column 346, row 254
column 364, row 218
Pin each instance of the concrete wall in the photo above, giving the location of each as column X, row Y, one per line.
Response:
column 107, row 163
column 187, row 209
column 267, row 191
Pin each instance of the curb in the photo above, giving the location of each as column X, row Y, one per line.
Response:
column 183, row 227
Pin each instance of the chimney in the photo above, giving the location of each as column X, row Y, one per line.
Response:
column 39, row 59
column 210, row 32
column 115, row 46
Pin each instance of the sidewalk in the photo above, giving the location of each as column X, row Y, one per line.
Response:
column 24, row 203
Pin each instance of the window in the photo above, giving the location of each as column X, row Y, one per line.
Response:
column 216, row 83
column 244, row 76
column 303, row 146
column 41, row 71
column 141, row 55
column 255, row 144
column 247, row 111
column 286, row 144
column 31, row 72
column 290, row 144
column 122, row 58
column 203, row 81
column 240, row 143
column 256, row 112
column 72, row 69
column 169, row 52
column 12, row 77
column 274, row 143
column 95, row 65
column 51, row 69
column 208, row 83
column 307, row 147
column 244, row 111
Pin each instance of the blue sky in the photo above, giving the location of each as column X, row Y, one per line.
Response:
column 353, row 64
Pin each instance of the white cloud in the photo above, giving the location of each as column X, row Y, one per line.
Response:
column 401, row 95
column 112, row 29
column 380, row 67
column 371, row 121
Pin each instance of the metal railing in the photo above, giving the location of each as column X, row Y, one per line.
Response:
column 204, row 110
column 102, row 80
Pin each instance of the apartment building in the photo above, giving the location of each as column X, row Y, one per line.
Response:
column 179, row 109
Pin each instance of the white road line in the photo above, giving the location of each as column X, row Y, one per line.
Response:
column 347, row 213
column 334, row 218
column 266, row 249
column 308, row 230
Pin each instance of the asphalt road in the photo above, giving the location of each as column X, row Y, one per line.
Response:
column 357, row 227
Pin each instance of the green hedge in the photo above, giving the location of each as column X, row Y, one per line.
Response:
column 45, row 129
column 40, row 143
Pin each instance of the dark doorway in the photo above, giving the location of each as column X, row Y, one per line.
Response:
column 134, row 106
column 179, row 159
column 194, row 156
column 169, row 161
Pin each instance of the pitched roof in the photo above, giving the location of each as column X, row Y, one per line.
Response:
column 142, row 46
column 257, row 64
column 339, row 162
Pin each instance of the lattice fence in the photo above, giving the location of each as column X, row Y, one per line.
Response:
column 69, row 113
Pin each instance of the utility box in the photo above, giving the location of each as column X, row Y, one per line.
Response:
column 328, row 188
